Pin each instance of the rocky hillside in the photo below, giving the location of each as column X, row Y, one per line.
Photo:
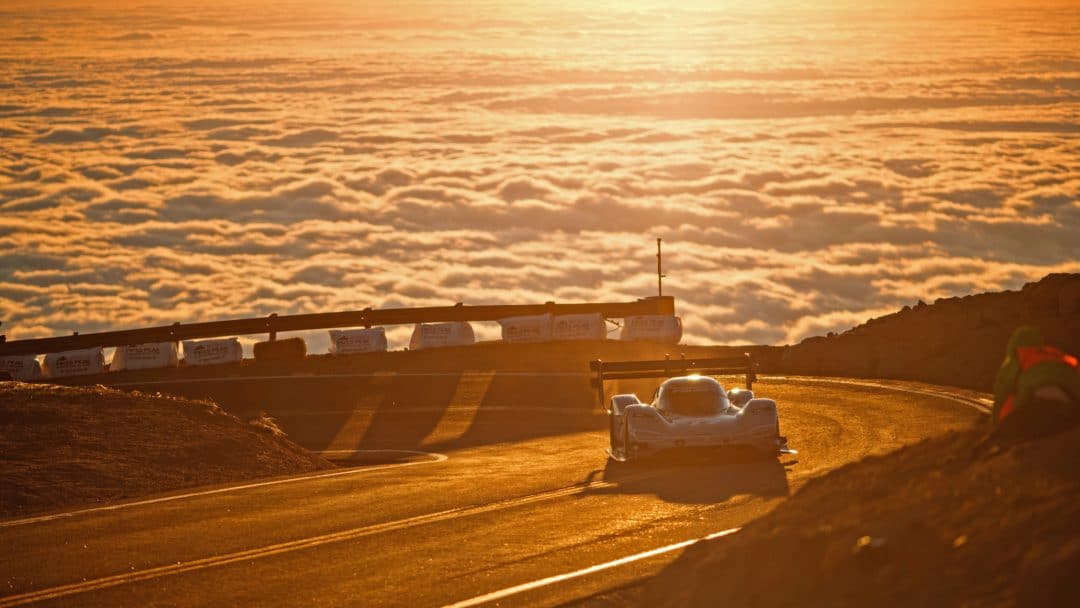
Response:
column 959, row 520
column 954, row 341
column 63, row 447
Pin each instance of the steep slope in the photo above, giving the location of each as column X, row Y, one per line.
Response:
column 954, row 341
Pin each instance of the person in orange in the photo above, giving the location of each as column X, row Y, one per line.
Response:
column 1033, row 371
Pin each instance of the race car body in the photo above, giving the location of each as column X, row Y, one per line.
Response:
column 691, row 411
column 694, row 412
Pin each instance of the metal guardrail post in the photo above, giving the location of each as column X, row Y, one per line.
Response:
column 600, row 382
column 270, row 326
column 750, row 375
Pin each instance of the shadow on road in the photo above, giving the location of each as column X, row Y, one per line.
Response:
column 696, row 479
column 409, row 412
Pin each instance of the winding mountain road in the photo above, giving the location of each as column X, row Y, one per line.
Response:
column 533, row 518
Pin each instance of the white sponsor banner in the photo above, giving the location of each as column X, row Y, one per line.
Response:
column 533, row 328
column 348, row 341
column 435, row 335
column 152, row 355
column 213, row 352
column 22, row 367
column 589, row 326
column 74, row 363
column 656, row 328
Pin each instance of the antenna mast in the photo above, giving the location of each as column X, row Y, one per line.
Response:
column 659, row 272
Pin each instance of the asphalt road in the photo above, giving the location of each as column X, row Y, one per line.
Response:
column 494, row 514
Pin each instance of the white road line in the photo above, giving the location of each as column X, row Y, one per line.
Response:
column 123, row 578
column 981, row 404
column 246, row 486
column 551, row 580
column 358, row 451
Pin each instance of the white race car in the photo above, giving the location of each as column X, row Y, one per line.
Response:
column 690, row 412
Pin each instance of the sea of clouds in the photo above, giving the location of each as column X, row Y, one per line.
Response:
column 808, row 167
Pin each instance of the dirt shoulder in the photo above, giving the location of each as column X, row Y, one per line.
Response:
column 67, row 447
column 959, row 520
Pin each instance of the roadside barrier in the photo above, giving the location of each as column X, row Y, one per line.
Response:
column 533, row 328
column 350, row 341
column 155, row 355
column 24, row 367
column 74, row 363
column 435, row 335
column 212, row 343
column 656, row 328
column 212, row 352
column 588, row 326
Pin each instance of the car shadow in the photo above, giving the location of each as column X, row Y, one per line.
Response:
column 696, row 479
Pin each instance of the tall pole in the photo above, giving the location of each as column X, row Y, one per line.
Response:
column 659, row 275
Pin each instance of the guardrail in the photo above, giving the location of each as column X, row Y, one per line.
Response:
column 659, row 305
column 668, row 367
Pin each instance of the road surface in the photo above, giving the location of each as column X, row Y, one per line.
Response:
column 492, row 522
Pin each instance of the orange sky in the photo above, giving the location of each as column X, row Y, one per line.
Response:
column 808, row 164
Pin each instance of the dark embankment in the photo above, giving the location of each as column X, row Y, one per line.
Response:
column 960, row 520
column 954, row 341
column 65, row 447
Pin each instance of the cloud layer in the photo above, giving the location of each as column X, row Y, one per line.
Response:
column 806, row 168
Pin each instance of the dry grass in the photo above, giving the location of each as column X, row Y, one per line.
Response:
column 264, row 422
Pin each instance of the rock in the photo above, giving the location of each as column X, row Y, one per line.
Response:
column 1069, row 298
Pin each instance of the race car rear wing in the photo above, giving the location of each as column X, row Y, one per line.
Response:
column 665, row 368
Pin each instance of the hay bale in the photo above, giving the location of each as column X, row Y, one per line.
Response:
column 289, row 349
